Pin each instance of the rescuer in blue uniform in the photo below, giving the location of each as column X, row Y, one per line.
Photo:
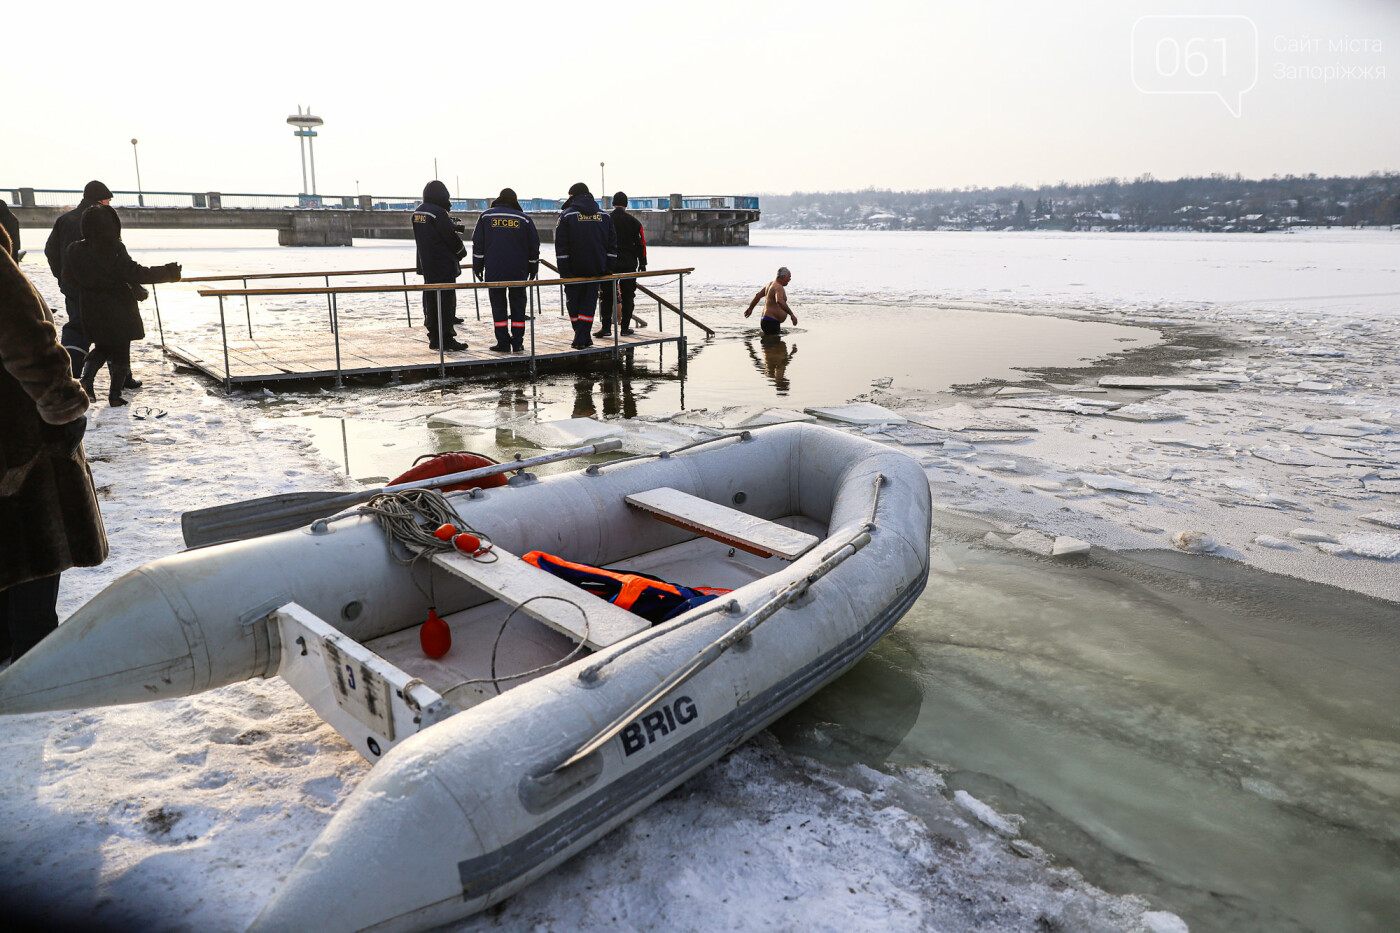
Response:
column 631, row 257
column 585, row 244
column 440, row 254
column 506, row 248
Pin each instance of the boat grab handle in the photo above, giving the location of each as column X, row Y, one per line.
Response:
column 711, row 652
column 594, row 469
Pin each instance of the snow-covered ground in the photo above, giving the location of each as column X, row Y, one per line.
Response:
column 185, row 814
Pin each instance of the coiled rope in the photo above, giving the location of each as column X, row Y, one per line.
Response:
column 410, row 518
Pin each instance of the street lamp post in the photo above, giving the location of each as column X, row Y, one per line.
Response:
column 602, row 180
column 140, row 196
column 304, row 123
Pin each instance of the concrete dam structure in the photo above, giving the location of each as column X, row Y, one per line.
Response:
column 315, row 220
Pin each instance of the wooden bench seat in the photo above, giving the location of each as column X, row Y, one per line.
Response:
column 729, row 526
column 513, row 581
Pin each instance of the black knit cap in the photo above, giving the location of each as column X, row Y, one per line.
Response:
column 578, row 188
column 100, row 222
column 507, row 198
column 96, row 191
column 620, row 199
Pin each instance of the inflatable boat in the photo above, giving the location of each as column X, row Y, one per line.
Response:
column 556, row 714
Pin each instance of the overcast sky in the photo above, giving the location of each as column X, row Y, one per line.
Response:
column 714, row 97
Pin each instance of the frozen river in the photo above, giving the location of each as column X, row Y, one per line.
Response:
column 1215, row 738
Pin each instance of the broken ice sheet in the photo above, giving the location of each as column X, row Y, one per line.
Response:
column 740, row 416
column 1374, row 545
column 1315, row 352
column 646, row 437
column 1338, row 427
column 1141, row 411
column 1154, row 382
column 570, row 432
column 1060, row 403
column 475, row 417
column 1032, row 541
column 964, row 417
column 1111, row 484
column 859, row 413
column 1389, row 519
column 1182, row 442
column 1289, row 456
column 914, row 435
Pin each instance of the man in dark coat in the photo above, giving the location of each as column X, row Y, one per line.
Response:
column 631, row 257
column 585, row 244
column 106, row 281
column 67, row 230
column 10, row 222
column 506, row 248
column 49, row 519
column 440, row 255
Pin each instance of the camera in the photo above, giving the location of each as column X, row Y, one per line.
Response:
column 459, row 226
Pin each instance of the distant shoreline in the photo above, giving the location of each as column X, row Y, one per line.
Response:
column 1103, row 228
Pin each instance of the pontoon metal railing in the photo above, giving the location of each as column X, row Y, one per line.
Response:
column 408, row 311
column 332, row 294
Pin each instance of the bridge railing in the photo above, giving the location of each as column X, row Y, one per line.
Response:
column 69, row 197
column 533, row 287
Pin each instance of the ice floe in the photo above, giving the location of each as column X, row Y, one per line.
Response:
column 1365, row 544
column 1193, row 542
column 1154, row 382
column 858, row 413
column 570, row 432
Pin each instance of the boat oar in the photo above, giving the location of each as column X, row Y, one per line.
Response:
column 253, row 518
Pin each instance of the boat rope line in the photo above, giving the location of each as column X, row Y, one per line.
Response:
column 595, row 469
column 412, row 518
column 711, row 652
column 542, row 669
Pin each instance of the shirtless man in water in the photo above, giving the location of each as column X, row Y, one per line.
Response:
column 776, row 310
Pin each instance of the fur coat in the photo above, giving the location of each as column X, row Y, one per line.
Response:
column 49, row 520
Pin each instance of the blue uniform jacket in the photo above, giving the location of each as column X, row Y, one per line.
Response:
column 440, row 249
column 585, row 242
column 505, row 245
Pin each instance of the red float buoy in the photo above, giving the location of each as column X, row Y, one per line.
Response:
column 467, row 543
column 445, row 532
column 435, row 636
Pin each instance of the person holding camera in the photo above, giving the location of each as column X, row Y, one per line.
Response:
column 440, row 254
column 49, row 520
column 107, row 283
